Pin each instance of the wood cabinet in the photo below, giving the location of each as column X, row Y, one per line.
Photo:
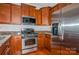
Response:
column 59, row 6
column 28, row 10
column 15, row 14
column 5, row 48
column 15, row 45
column 25, row 10
column 38, row 17
column 41, row 38
column 43, row 16
column 5, row 12
column 32, row 11
column 44, row 41
column 48, row 41
column 10, row 13
column 46, row 19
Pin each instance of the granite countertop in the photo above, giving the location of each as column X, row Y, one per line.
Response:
column 2, row 41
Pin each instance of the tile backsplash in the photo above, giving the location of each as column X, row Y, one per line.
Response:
column 38, row 28
column 11, row 27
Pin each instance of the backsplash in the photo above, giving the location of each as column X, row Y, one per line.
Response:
column 11, row 27
column 37, row 28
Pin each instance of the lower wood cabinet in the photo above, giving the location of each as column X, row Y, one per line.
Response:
column 41, row 38
column 5, row 48
column 12, row 46
column 15, row 45
column 47, row 42
column 44, row 41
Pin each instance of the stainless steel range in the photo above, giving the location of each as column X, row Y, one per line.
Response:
column 29, row 40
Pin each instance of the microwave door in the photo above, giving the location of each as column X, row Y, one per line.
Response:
column 25, row 20
column 32, row 20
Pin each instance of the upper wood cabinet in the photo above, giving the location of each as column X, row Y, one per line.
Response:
column 46, row 19
column 28, row 10
column 59, row 6
column 38, row 17
column 25, row 10
column 16, row 14
column 5, row 12
column 32, row 11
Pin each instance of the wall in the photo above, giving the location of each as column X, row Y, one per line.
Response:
column 10, row 27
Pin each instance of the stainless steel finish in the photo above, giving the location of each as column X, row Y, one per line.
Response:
column 28, row 34
column 70, row 25
column 29, row 46
column 68, row 19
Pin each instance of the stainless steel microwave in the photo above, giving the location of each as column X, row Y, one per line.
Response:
column 28, row 20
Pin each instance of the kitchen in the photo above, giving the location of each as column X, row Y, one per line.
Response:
column 39, row 29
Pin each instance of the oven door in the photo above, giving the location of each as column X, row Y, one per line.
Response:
column 29, row 43
column 32, row 20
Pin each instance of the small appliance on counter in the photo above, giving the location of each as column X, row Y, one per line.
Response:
column 29, row 40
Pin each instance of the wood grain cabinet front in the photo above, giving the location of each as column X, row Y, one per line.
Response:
column 15, row 45
column 15, row 14
column 44, row 41
column 5, row 48
column 32, row 11
column 46, row 18
column 59, row 6
column 28, row 10
column 38, row 17
column 41, row 38
column 5, row 12
column 47, row 42
column 25, row 10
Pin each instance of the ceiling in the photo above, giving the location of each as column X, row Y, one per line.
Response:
column 40, row 5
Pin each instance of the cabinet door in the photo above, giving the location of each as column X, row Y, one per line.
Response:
column 41, row 38
column 5, row 48
column 5, row 13
column 16, row 14
column 46, row 16
column 15, row 45
column 25, row 10
column 48, row 42
column 38, row 17
column 32, row 11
